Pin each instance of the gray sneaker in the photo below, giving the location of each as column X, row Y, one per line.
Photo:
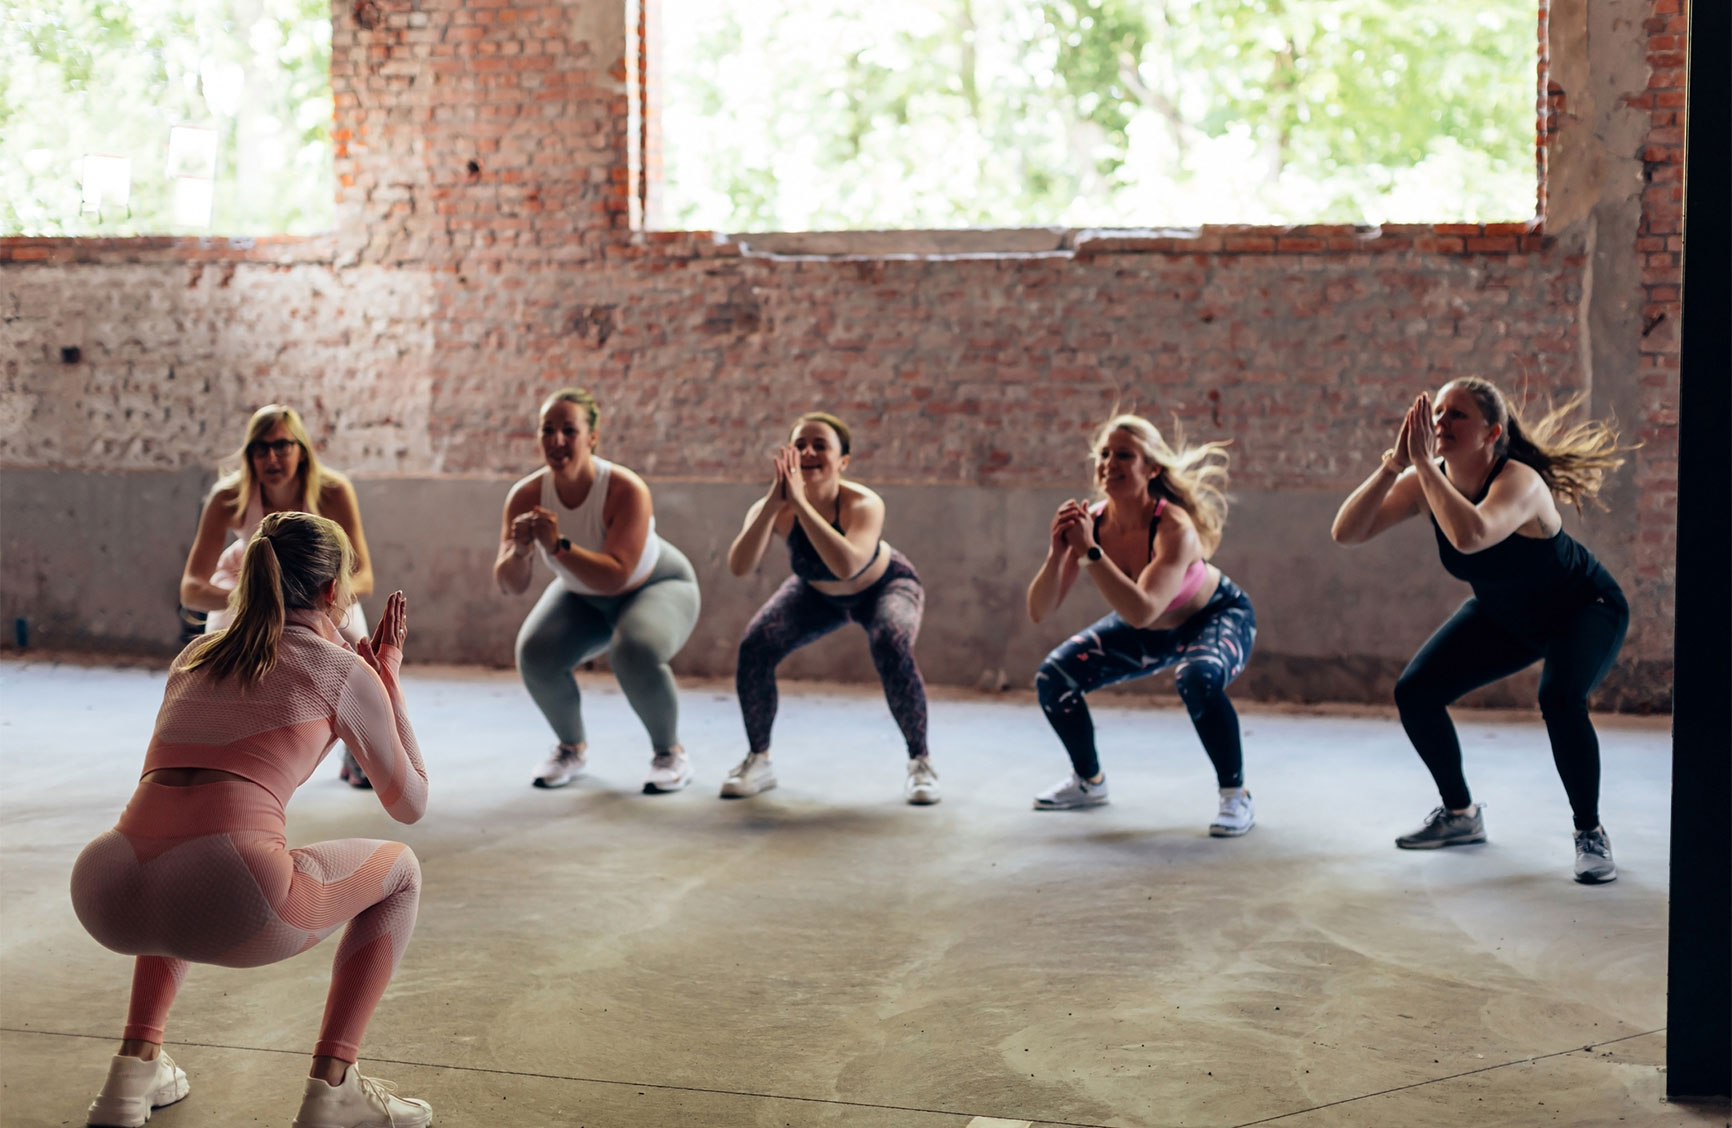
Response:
column 1444, row 829
column 1594, row 864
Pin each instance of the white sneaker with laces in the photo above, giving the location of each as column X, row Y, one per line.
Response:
column 565, row 765
column 922, row 785
column 134, row 1088
column 1070, row 793
column 669, row 771
column 1236, row 815
column 749, row 777
column 360, row 1102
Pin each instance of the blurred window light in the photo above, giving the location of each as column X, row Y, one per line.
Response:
column 108, row 108
column 192, row 151
column 223, row 83
column 193, row 197
column 107, row 182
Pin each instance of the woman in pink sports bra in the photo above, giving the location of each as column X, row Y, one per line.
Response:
column 277, row 472
column 1145, row 544
column 197, row 869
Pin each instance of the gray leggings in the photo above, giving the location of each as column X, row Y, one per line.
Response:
column 639, row 631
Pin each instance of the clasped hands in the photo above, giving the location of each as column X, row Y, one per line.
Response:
column 1073, row 529
column 538, row 525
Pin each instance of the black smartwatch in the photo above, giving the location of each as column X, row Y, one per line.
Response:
column 563, row 544
column 1094, row 554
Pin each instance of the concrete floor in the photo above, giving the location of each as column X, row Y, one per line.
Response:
column 826, row 955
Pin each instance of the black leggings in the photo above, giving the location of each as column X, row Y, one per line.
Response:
column 1471, row 650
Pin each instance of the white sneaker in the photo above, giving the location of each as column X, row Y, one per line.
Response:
column 1070, row 793
column 1235, row 816
column 669, row 771
column 360, row 1102
column 749, row 777
column 922, row 785
column 565, row 765
column 135, row 1087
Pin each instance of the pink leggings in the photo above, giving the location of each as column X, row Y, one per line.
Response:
column 240, row 898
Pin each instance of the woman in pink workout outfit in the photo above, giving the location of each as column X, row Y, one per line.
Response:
column 197, row 869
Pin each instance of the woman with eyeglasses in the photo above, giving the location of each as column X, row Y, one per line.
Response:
column 278, row 472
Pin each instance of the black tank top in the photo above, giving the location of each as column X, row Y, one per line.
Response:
column 803, row 558
column 1528, row 585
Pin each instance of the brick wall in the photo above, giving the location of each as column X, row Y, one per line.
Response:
column 485, row 253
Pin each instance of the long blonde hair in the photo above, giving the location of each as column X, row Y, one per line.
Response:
column 1573, row 459
column 1194, row 478
column 287, row 566
column 313, row 475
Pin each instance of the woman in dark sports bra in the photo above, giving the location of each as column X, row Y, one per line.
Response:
column 1145, row 546
column 843, row 571
column 1538, row 594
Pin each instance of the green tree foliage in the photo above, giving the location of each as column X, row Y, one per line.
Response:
column 943, row 113
column 114, row 77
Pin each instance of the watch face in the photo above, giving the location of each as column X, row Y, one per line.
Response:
column 1094, row 552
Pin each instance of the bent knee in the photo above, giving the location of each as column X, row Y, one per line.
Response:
column 628, row 652
column 1413, row 691
column 1053, row 686
column 1558, row 701
column 1200, row 682
column 405, row 873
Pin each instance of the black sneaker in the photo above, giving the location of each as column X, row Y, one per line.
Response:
column 1594, row 864
column 1444, row 829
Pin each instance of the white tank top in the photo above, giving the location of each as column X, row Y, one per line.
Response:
column 228, row 573
column 586, row 529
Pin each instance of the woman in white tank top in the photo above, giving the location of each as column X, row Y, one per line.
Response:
column 278, row 472
column 618, row 589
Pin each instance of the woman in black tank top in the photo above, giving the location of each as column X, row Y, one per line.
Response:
column 1489, row 483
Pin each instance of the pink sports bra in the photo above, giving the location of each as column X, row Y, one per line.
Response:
column 1195, row 575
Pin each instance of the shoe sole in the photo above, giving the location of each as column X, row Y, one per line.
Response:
column 551, row 785
column 739, row 793
column 1400, row 845
column 1592, row 879
column 666, row 788
column 1218, row 831
column 110, row 1112
column 923, row 801
column 1039, row 806
column 427, row 1123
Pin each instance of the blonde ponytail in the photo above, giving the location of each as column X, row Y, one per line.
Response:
column 288, row 564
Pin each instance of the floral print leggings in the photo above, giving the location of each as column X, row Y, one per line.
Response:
column 1208, row 651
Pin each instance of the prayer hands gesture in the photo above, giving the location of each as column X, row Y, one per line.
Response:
column 392, row 630
column 1418, row 440
column 1395, row 458
column 791, row 485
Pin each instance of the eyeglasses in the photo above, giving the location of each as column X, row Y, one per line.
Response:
column 280, row 448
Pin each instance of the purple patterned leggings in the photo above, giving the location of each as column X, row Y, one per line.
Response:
column 799, row 614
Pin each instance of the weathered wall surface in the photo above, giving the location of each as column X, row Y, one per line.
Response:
column 484, row 255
